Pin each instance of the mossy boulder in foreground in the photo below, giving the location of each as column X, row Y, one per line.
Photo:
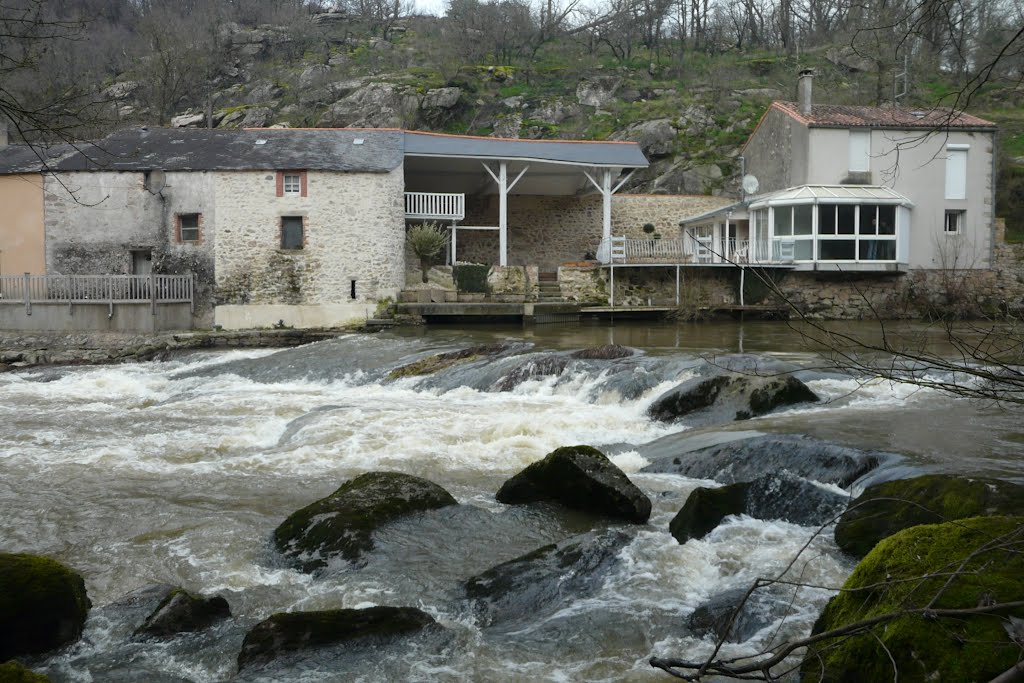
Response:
column 183, row 612
column 884, row 509
column 343, row 523
column 581, row 478
column 293, row 632
column 927, row 646
column 43, row 605
column 13, row 672
column 728, row 397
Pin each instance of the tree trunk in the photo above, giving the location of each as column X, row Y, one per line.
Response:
column 424, row 267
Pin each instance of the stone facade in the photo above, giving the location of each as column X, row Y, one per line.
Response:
column 101, row 222
column 549, row 231
column 353, row 230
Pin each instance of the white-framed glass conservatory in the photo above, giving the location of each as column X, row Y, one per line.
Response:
column 832, row 224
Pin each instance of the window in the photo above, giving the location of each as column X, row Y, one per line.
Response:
column 954, row 222
column 860, row 150
column 293, row 234
column 291, row 184
column 189, row 225
column 956, row 171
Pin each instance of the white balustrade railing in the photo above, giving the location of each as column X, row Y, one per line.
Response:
column 446, row 206
column 97, row 289
column 688, row 249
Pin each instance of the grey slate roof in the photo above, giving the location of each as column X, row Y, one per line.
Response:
column 617, row 154
column 324, row 149
column 236, row 150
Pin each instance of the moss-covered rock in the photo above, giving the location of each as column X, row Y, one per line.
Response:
column 606, row 352
column 294, row 632
column 13, row 672
column 728, row 397
column 581, row 478
column 440, row 361
column 927, row 646
column 773, row 496
column 343, row 522
column 183, row 612
column 884, row 509
column 43, row 605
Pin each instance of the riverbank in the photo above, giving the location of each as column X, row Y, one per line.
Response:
column 28, row 349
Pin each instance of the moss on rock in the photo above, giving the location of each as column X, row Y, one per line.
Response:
column 705, row 508
column 581, row 478
column 884, row 509
column 13, row 672
column 43, row 605
column 440, row 361
column 927, row 647
column 343, row 522
column 293, row 632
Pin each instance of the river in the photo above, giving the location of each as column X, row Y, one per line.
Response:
column 177, row 472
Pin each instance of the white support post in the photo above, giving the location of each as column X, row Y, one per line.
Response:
column 677, row 285
column 455, row 234
column 503, row 214
column 612, row 269
column 743, row 272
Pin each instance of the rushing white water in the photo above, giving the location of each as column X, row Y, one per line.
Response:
column 177, row 472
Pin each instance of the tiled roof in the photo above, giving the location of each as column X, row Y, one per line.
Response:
column 848, row 116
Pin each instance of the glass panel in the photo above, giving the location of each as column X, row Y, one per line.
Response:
column 804, row 250
column 846, row 222
column 291, row 232
column 827, row 219
column 878, row 250
column 887, row 220
column 783, row 220
column 837, row 250
column 868, row 220
column 189, row 227
column 803, row 219
column 292, row 184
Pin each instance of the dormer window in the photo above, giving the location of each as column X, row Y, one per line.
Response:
column 291, row 184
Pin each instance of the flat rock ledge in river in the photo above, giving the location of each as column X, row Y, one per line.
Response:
column 546, row 578
column 773, row 496
column 290, row 633
column 440, row 361
column 973, row 564
column 748, row 459
column 343, row 523
column 580, row 478
column 728, row 397
column 183, row 612
column 883, row 509
column 43, row 605
column 606, row 352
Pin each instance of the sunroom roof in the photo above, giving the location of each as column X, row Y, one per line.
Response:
column 831, row 194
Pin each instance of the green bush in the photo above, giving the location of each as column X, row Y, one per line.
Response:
column 471, row 278
column 427, row 241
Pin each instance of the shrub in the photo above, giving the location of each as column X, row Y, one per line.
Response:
column 471, row 278
column 427, row 241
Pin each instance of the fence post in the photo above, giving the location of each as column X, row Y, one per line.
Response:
column 191, row 292
column 152, row 293
column 28, row 295
column 67, row 286
column 110, row 296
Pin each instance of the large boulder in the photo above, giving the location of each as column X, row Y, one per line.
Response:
column 971, row 564
column 656, row 138
column 545, row 579
column 884, row 509
column 598, row 92
column 13, row 672
column 581, row 478
column 733, row 617
column 43, row 605
column 729, row 396
column 532, row 367
column 774, row 496
column 375, row 105
column 289, row 633
column 183, row 612
column 343, row 523
column 606, row 352
column 746, row 459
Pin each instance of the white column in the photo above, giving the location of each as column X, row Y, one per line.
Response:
column 503, row 214
column 455, row 235
column 606, row 204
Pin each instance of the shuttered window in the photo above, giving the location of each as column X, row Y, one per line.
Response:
column 956, row 172
column 860, row 150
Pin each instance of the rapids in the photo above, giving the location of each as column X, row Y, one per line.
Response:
column 177, row 472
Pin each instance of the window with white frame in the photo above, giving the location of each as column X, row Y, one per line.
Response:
column 292, row 184
column 956, row 171
column 954, row 223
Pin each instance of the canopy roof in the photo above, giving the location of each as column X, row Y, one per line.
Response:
column 830, row 194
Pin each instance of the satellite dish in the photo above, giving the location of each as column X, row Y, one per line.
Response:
column 750, row 184
column 156, row 181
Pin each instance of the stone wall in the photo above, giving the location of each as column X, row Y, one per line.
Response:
column 95, row 220
column 550, row 231
column 353, row 230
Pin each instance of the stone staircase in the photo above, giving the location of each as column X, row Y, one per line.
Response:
column 548, row 288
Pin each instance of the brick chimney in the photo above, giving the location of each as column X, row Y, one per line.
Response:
column 804, row 97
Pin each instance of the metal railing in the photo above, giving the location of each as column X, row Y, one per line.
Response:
column 435, row 205
column 97, row 289
column 688, row 249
